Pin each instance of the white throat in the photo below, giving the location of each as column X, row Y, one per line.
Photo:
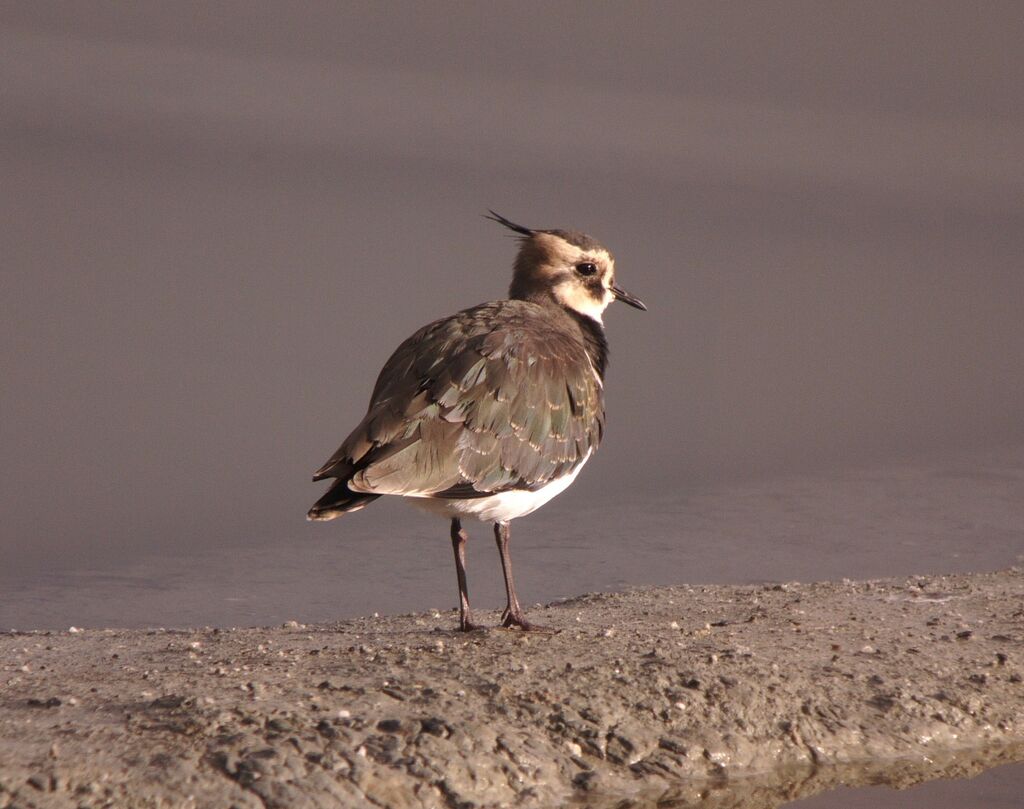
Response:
column 580, row 301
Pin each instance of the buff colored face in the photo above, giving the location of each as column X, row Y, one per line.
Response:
column 582, row 279
column 585, row 282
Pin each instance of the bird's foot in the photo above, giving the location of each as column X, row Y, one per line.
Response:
column 510, row 619
column 468, row 625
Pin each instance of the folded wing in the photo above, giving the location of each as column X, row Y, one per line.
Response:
column 479, row 403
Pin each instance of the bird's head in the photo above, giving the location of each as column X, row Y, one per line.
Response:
column 565, row 266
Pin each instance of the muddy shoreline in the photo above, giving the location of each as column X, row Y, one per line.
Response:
column 656, row 694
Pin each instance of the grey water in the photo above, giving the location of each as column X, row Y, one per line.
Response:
column 941, row 513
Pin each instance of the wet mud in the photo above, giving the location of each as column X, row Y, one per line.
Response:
column 719, row 696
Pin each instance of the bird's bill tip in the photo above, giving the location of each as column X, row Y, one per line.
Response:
column 621, row 295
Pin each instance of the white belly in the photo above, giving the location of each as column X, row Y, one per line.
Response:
column 498, row 507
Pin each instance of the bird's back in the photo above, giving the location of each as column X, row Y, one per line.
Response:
column 502, row 396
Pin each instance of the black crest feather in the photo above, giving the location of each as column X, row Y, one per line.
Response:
column 501, row 220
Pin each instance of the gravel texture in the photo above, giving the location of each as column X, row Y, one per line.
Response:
column 734, row 695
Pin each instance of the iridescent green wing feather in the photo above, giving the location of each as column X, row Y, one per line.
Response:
column 491, row 399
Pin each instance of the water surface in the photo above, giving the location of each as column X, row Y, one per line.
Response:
column 938, row 513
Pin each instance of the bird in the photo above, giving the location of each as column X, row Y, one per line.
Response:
column 491, row 412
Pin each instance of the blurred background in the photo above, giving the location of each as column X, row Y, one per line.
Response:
column 219, row 219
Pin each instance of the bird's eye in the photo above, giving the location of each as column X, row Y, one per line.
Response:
column 586, row 268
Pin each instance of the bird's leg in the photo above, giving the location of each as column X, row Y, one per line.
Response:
column 513, row 614
column 459, row 538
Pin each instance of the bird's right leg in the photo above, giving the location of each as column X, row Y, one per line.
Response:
column 459, row 537
column 513, row 614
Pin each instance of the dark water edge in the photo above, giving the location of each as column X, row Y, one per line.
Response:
column 992, row 778
column 1000, row 787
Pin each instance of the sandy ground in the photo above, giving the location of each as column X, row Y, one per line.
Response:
column 737, row 696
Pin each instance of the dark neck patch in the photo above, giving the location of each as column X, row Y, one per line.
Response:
column 593, row 339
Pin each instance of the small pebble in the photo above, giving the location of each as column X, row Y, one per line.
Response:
column 39, row 782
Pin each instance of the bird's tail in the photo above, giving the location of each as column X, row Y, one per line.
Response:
column 339, row 500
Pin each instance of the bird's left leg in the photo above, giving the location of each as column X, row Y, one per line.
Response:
column 513, row 614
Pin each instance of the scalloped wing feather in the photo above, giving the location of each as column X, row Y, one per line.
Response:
column 492, row 399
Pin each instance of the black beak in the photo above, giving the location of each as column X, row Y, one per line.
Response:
column 621, row 295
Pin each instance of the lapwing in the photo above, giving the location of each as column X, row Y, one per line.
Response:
column 490, row 413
